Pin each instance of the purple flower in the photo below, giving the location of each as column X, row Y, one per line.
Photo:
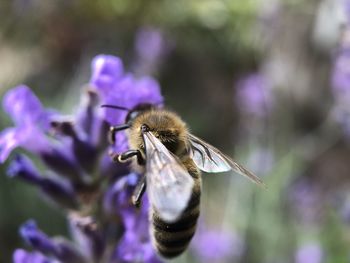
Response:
column 31, row 122
column 22, row 256
column 340, row 79
column 55, row 188
column 341, row 89
column 59, row 248
column 215, row 246
column 107, row 71
column 135, row 244
column 309, row 253
column 254, row 95
column 79, row 175
column 305, row 199
column 150, row 43
column 151, row 47
column 122, row 90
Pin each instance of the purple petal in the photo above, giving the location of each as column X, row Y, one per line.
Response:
column 118, row 201
column 135, row 245
column 55, row 188
column 123, row 90
column 9, row 140
column 22, row 167
column 31, row 119
column 36, row 238
column 146, row 90
column 132, row 248
column 118, row 196
column 84, row 151
column 59, row 248
column 67, row 252
column 22, row 256
column 27, row 136
column 24, row 107
column 310, row 253
column 88, row 235
column 61, row 161
column 106, row 71
column 129, row 93
column 59, row 191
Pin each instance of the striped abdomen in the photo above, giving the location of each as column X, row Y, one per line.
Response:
column 171, row 239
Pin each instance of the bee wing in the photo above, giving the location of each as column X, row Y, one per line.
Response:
column 211, row 160
column 169, row 185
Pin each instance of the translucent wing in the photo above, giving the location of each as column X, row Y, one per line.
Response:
column 211, row 160
column 169, row 185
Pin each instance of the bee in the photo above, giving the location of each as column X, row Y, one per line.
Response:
column 170, row 159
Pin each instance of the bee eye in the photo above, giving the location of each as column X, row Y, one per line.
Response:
column 144, row 128
column 134, row 114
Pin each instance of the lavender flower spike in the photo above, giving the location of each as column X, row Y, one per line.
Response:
column 93, row 191
column 254, row 95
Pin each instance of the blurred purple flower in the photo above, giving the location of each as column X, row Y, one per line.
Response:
column 340, row 79
column 309, row 253
column 305, row 201
column 254, row 95
column 341, row 76
column 149, row 43
column 80, row 177
column 341, row 89
column 217, row 246
column 151, row 47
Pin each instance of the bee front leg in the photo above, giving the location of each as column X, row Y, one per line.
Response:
column 126, row 156
column 138, row 192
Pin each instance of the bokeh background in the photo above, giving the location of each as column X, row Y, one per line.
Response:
column 268, row 82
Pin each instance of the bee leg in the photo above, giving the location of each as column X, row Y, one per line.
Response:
column 114, row 129
column 138, row 192
column 124, row 157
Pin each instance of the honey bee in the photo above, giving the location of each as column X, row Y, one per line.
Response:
column 170, row 158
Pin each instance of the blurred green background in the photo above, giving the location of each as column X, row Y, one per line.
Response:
column 285, row 128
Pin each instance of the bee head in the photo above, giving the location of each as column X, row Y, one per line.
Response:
column 137, row 110
column 164, row 125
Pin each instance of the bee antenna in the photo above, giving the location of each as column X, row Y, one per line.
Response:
column 115, row 107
